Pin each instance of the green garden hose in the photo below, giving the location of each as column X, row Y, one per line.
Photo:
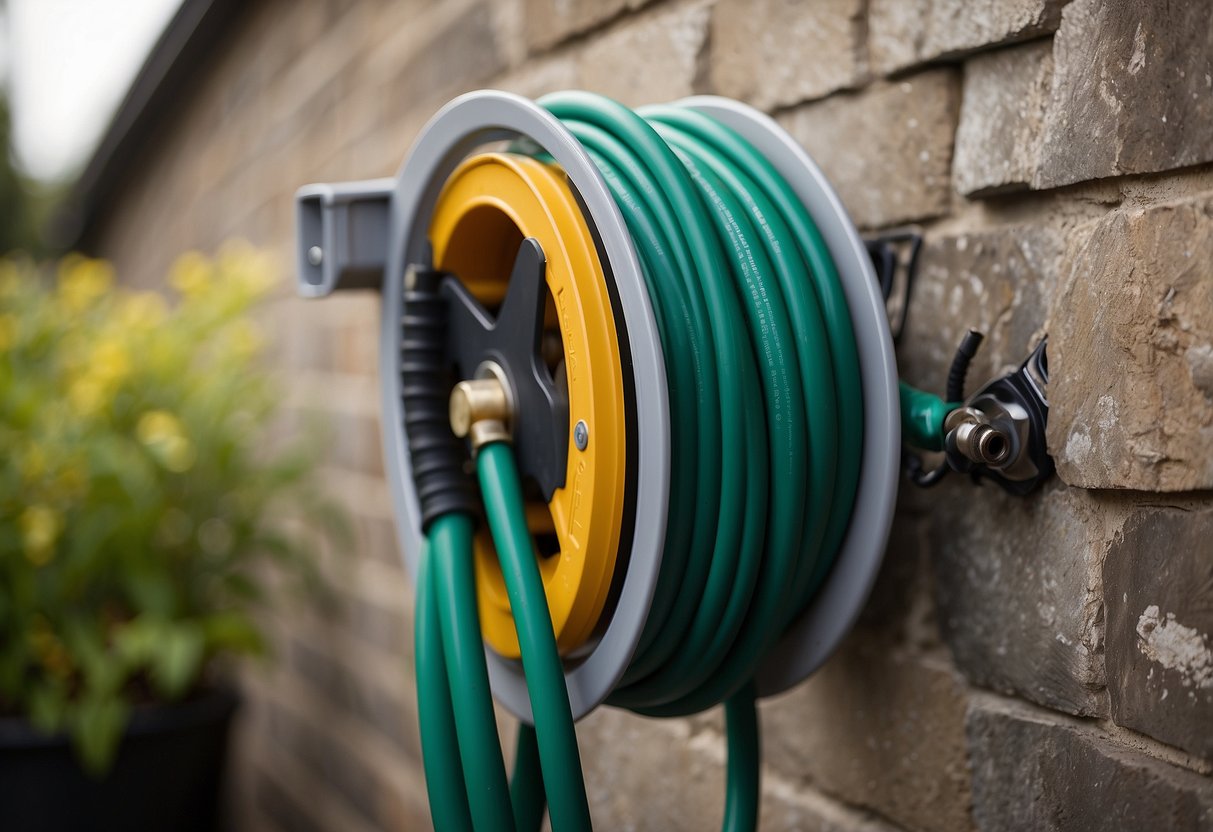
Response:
column 765, row 396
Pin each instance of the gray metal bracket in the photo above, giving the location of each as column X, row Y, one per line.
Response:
column 342, row 235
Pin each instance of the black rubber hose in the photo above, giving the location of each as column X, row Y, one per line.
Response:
column 960, row 365
column 439, row 459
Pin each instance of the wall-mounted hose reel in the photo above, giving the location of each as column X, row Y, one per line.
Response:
column 667, row 356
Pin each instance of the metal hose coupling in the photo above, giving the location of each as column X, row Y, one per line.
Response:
column 971, row 434
column 481, row 409
column 998, row 433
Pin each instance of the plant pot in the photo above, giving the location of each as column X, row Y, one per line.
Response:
column 166, row 776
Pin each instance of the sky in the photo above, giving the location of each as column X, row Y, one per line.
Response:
column 68, row 64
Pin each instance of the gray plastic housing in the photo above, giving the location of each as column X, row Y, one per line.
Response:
column 368, row 231
column 342, row 235
column 326, row 212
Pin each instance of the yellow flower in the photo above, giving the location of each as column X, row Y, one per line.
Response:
column 82, row 280
column 110, row 363
column 106, row 365
column 244, row 339
column 142, row 310
column 191, row 274
column 76, row 349
column 33, row 463
column 249, row 270
column 40, row 528
column 162, row 433
column 10, row 280
column 87, row 396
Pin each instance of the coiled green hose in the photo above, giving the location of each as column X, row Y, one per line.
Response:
column 764, row 390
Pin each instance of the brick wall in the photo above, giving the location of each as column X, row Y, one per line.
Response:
column 1041, row 663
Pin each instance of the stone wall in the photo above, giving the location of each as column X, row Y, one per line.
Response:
column 1023, row 664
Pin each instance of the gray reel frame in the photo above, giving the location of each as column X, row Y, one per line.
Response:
column 363, row 235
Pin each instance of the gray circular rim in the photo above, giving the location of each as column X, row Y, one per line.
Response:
column 816, row 634
column 464, row 124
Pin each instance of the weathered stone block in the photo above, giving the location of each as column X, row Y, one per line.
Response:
column 386, row 712
column 1132, row 90
column 1002, row 114
column 900, row 611
column 536, row 78
column 451, row 49
column 778, row 52
column 1131, row 352
column 887, row 150
column 1018, row 589
column 1031, row 772
column 284, row 807
column 1158, row 586
column 998, row 282
column 668, row 775
column 655, row 58
column 547, row 22
column 330, row 760
column 855, row 729
column 354, row 443
column 903, row 33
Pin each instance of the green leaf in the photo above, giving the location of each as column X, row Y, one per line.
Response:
column 98, row 726
column 101, row 672
column 136, row 640
column 152, row 589
column 243, row 587
column 47, row 707
column 233, row 631
column 178, row 659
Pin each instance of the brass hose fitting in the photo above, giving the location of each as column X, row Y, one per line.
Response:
column 480, row 409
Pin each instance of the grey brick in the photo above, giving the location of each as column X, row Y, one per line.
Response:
column 1019, row 589
column 1002, row 115
column 655, row 58
column 888, row 149
column 904, row 33
column 647, row 775
column 286, row 809
column 393, row 716
column 779, row 52
column 856, row 730
column 1032, row 771
column 1131, row 351
column 998, row 282
column 547, row 22
column 900, row 611
column 1158, row 584
column 459, row 51
column 1132, row 90
column 355, row 442
column 330, row 761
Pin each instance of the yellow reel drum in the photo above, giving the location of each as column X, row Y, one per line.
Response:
column 487, row 207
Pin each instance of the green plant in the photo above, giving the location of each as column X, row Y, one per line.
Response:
column 139, row 505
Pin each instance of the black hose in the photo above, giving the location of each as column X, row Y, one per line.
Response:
column 960, row 365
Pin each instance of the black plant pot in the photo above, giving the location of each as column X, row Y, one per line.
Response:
column 167, row 774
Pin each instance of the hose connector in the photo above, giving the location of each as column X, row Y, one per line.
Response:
column 998, row 433
column 976, row 438
column 481, row 408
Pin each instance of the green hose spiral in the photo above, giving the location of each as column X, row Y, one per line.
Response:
column 764, row 386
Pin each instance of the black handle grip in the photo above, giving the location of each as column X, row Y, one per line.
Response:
column 439, row 458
